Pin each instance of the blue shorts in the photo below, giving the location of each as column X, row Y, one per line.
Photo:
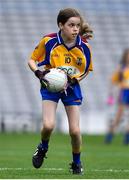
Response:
column 72, row 97
column 124, row 96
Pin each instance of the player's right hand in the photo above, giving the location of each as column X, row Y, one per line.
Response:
column 44, row 83
column 40, row 74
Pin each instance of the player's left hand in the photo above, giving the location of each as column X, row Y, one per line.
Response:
column 110, row 100
column 72, row 81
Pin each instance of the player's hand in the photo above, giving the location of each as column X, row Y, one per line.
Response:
column 72, row 81
column 44, row 83
column 110, row 100
column 40, row 74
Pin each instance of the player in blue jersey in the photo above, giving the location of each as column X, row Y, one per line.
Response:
column 68, row 50
column 120, row 79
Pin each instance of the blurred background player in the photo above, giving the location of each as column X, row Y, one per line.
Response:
column 120, row 79
column 69, row 51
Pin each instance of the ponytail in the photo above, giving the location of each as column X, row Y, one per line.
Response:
column 86, row 31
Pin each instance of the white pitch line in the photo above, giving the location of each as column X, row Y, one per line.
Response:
column 110, row 170
column 61, row 169
column 24, row 169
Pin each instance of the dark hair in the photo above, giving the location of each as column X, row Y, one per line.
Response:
column 67, row 13
column 123, row 61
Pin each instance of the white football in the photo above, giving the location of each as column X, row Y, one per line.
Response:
column 57, row 80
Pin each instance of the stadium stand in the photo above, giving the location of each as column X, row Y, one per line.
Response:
column 23, row 23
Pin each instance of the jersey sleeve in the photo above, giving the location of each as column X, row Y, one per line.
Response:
column 115, row 78
column 91, row 64
column 39, row 52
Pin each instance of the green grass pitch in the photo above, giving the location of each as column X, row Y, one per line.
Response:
column 100, row 161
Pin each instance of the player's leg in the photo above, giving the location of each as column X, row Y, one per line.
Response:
column 126, row 102
column 49, row 111
column 115, row 123
column 126, row 135
column 73, row 114
column 48, row 114
column 118, row 118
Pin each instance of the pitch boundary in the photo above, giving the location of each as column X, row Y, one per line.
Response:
column 61, row 169
column 26, row 169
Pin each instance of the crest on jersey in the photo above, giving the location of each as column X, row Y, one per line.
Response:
column 79, row 61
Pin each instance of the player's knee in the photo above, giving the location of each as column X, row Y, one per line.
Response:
column 48, row 127
column 74, row 132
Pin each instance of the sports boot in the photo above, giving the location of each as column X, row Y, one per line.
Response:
column 76, row 168
column 39, row 156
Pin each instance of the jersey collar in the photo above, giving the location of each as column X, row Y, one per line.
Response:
column 60, row 39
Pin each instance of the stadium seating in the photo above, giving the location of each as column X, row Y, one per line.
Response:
column 22, row 25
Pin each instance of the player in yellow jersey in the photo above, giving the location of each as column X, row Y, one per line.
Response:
column 69, row 51
column 120, row 78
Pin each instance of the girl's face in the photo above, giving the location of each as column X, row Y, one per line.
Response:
column 70, row 29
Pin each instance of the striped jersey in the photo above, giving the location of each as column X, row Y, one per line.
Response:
column 51, row 52
column 122, row 81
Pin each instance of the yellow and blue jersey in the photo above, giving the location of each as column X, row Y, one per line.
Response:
column 121, row 78
column 53, row 53
column 122, row 81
